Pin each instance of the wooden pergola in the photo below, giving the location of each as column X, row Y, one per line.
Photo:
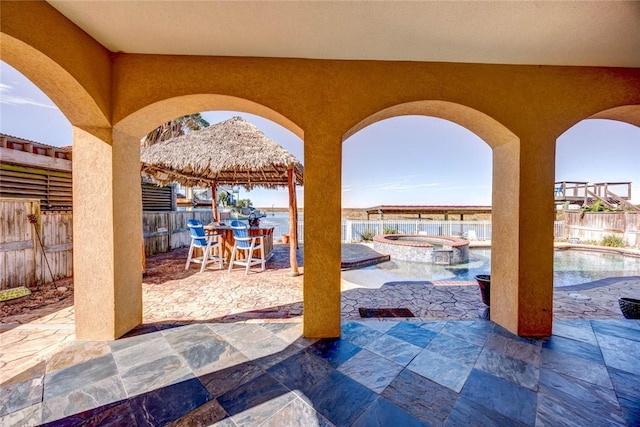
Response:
column 445, row 210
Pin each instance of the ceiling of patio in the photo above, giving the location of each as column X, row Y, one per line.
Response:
column 515, row 32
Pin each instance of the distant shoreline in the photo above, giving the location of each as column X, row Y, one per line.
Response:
column 361, row 214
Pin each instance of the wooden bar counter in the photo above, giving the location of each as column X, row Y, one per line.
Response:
column 228, row 240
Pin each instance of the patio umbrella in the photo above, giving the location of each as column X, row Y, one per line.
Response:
column 233, row 152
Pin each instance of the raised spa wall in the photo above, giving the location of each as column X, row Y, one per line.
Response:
column 419, row 248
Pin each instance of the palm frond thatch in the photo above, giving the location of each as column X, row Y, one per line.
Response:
column 233, row 152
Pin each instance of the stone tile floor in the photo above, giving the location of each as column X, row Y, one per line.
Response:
column 380, row 373
column 198, row 345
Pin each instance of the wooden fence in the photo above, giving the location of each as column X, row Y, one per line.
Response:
column 594, row 226
column 33, row 253
column 164, row 231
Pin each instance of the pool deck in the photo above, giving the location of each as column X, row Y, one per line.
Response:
column 38, row 351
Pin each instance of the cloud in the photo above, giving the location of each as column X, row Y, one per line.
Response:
column 20, row 100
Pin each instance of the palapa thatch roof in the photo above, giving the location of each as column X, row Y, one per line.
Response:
column 233, row 152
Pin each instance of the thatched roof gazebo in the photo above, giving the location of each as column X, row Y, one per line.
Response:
column 232, row 152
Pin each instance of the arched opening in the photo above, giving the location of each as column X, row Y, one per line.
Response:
column 597, row 209
column 505, row 190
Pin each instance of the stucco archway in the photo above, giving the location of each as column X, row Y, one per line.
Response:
column 505, row 146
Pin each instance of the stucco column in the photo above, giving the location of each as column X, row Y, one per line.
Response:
column 107, row 234
column 522, row 237
column 322, row 216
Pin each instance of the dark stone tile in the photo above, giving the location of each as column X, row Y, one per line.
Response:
column 78, row 376
column 575, row 367
column 434, row 325
column 473, row 332
column 212, row 355
column 205, row 415
column 221, row 381
column 514, row 370
column 167, row 404
column 255, row 401
column 468, row 413
column 297, row 413
column 443, row 370
column 499, row 330
column 140, row 330
column 620, row 353
column 627, row 387
column 421, row 397
column 578, row 331
column 18, row 395
column 91, row 395
column 340, row 399
column 170, row 369
column 630, row 410
column 334, row 350
column 113, row 414
column 412, row 333
column 371, row 370
column 384, row 413
column 502, row 396
column 455, row 349
column 394, row 349
column 301, row 371
column 564, row 399
column 576, row 348
column 274, row 358
column 625, row 330
column 358, row 334
column 516, row 349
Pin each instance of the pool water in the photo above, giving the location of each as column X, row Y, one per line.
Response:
column 571, row 267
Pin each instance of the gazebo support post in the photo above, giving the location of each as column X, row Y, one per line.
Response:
column 214, row 202
column 293, row 223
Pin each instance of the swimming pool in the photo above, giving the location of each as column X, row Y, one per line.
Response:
column 571, row 267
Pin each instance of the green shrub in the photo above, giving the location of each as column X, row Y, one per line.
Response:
column 390, row 230
column 367, row 235
column 612, row 241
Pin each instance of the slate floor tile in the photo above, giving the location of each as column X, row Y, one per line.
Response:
column 297, row 413
column 167, row 404
column 212, row 355
column 514, row 348
column 412, row 333
column 514, row 370
column 443, row 370
column 384, row 413
column 334, row 350
column 255, row 401
column 301, row 371
column 565, row 399
column 188, row 336
column 340, row 399
column 421, row 397
column 469, row 413
column 575, row 331
column 371, row 370
column 576, row 348
column 113, row 414
column 266, row 347
column 394, row 349
column 471, row 331
column 29, row 416
column 221, row 381
column 358, row 333
column 616, row 330
column 623, row 359
column 78, row 376
column 158, row 373
column 210, row 413
column 434, row 325
column 16, row 396
column 576, row 367
column 380, row 325
column 502, row 396
column 137, row 337
column 455, row 349
column 142, row 353
column 248, row 336
column 90, row 395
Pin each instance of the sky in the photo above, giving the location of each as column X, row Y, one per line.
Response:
column 399, row 161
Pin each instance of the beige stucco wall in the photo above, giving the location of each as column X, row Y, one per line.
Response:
column 518, row 110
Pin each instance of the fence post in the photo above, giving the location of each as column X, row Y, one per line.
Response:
column 349, row 232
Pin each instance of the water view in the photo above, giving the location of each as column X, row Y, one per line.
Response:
column 571, row 267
